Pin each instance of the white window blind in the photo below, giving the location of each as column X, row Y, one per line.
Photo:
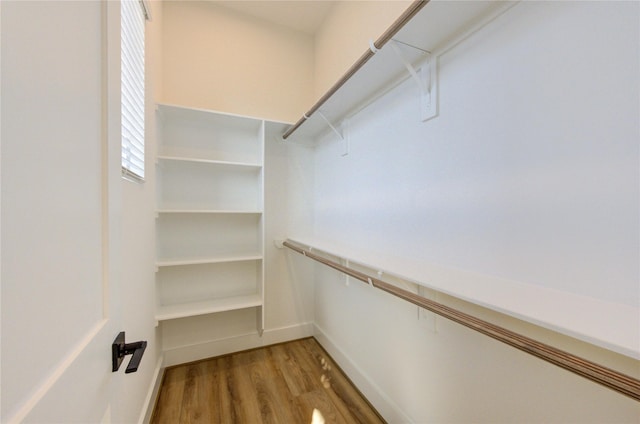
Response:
column 132, row 19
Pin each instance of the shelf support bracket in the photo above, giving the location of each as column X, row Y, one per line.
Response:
column 342, row 135
column 425, row 78
column 335, row 130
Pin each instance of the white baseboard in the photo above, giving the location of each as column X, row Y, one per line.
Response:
column 184, row 354
column 152, row 395
column 383, row 404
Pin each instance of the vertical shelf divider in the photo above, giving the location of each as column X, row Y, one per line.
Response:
column 261, row 277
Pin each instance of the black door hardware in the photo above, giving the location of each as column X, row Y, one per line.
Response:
column 119, row 349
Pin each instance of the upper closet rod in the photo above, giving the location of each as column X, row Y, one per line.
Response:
column 607, row 377
column 377, row 45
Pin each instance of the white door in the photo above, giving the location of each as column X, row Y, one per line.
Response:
column 59, row 173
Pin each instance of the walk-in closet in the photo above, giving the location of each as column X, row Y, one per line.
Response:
column 320, row 211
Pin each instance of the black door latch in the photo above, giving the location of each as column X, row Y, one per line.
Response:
column 119, row 349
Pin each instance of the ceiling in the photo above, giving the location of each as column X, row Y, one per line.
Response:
column 302, row 15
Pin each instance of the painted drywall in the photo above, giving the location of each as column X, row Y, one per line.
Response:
column 216, row 58
column 345, row 34
column 288, row 209
column 138, row 298
column 529, row 173
column 539, row 158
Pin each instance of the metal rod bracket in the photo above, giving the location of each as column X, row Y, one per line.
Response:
column 372, row 47
column 333, row 128
column 426, row 78
column 341, row 134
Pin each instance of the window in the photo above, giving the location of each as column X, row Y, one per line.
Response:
column 132, row 19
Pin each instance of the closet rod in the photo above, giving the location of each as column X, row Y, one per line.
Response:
column 406, row 16
column 607, row 377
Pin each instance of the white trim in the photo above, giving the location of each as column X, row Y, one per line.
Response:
column 374, row 394
column 0, row 216
column 210, row 349
column 152, row 394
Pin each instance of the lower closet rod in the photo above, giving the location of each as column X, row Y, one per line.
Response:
column 607, row 377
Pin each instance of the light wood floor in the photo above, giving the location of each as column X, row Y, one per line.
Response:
column 282, row 383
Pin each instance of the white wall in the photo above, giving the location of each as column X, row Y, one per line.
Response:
column 138, row 246
column 529, row 173
column 288, row 210
column 215, row 58
column 345, row 34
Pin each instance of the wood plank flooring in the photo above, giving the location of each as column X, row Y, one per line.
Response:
column 282, row 383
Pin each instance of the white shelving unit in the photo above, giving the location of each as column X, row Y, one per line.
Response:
column 210, row 220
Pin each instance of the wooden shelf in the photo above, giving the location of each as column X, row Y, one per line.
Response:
column 197, row 135
column 433, row 28
column 183, row 310
column 609, row 325
column 224, row 118
column 207, row 260
column 198, row 186
column 178, row 210
column 209, row 161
